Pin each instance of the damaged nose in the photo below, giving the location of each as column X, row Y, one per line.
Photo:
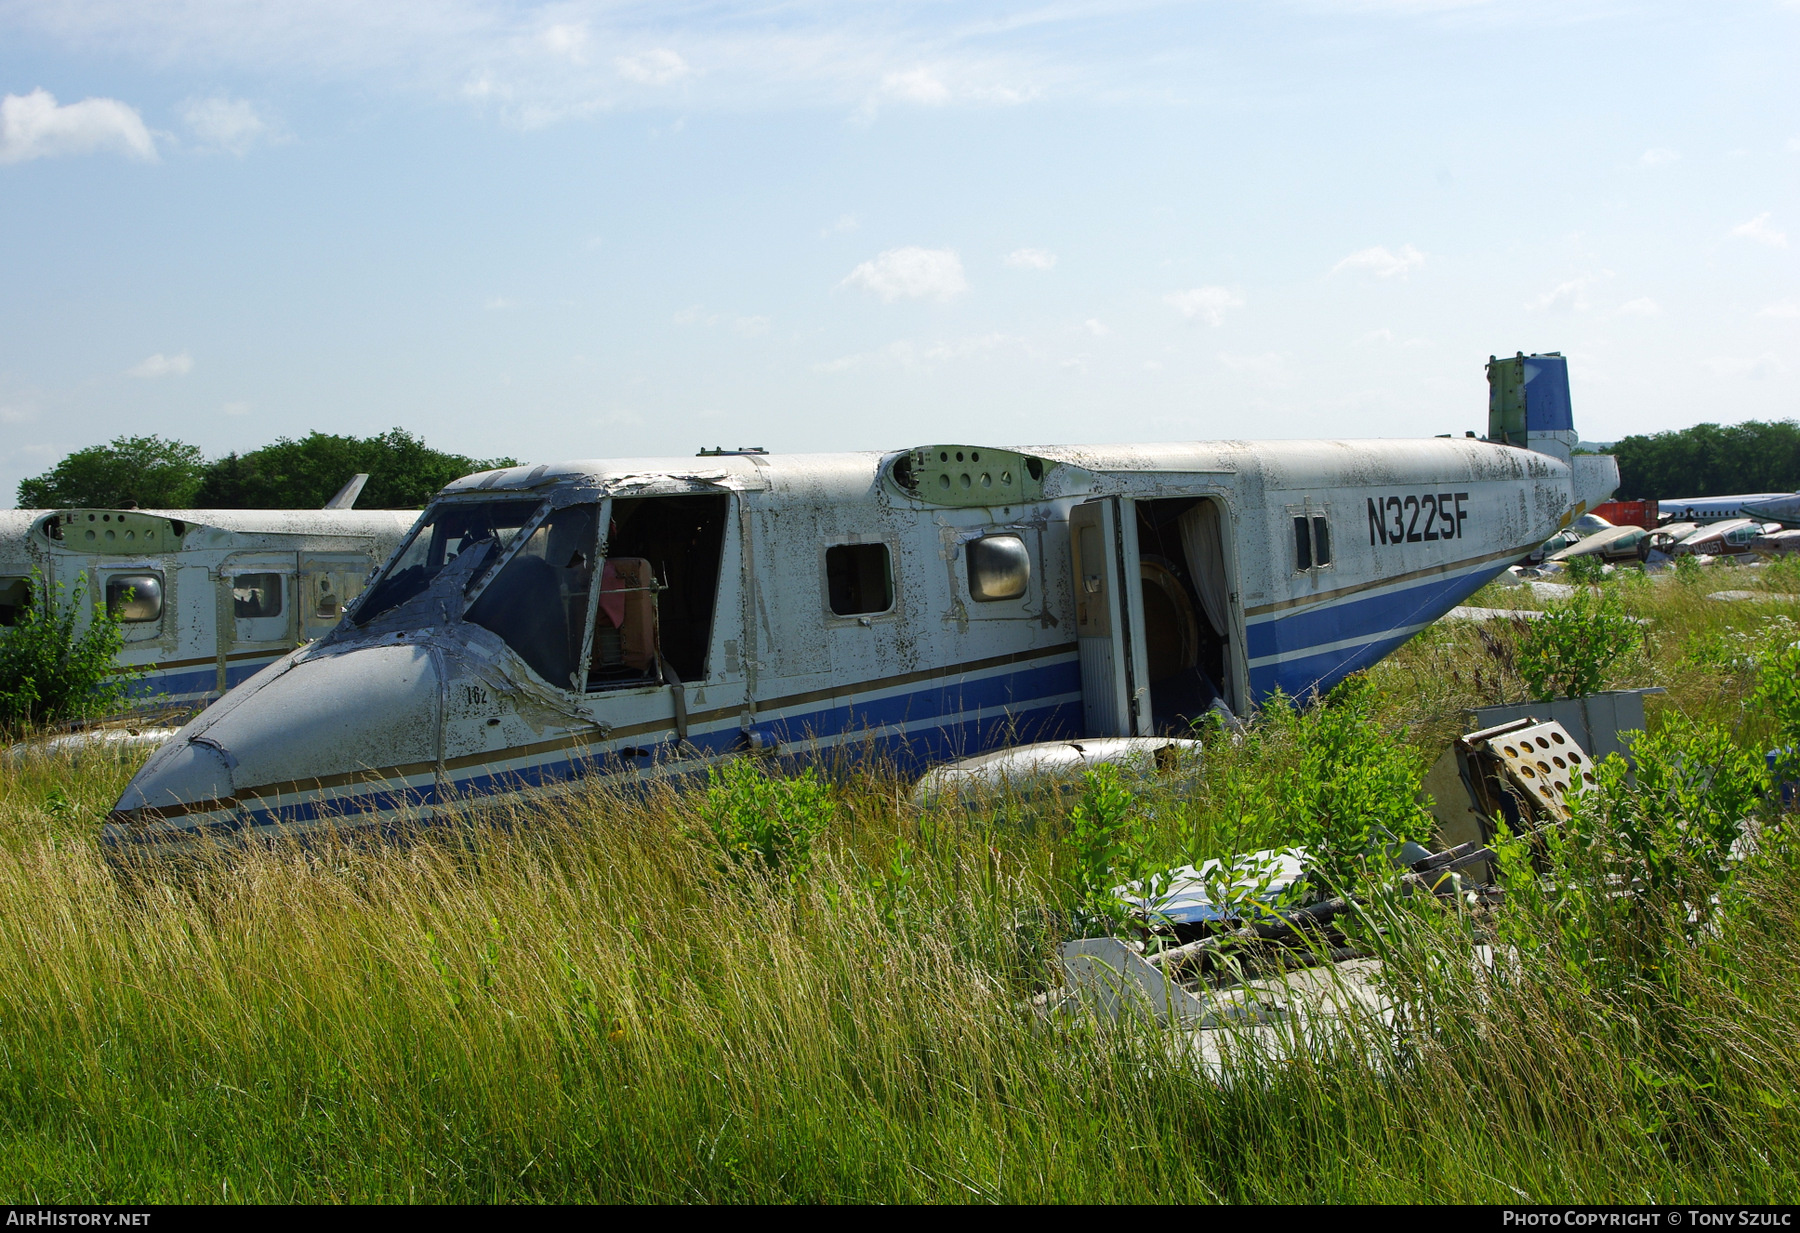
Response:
column 335, row 735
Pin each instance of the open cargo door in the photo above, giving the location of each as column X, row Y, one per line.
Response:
column 1109, row 621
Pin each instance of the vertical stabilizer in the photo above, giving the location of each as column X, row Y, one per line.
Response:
column 1528, row 404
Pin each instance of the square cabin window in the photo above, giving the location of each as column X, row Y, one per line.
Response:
column 859, row 579
column 256, row 595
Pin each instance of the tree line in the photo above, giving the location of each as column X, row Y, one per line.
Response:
column 1710, row 460
column 157, row 473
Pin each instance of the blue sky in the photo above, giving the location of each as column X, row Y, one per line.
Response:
column 591, row 229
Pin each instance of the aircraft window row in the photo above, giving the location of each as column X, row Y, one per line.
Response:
column 1312, row 543
column 134, row 598
column 999, row 568
column 256, row 595
column 859, row 579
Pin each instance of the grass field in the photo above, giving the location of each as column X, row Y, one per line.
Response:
column 583, row 1001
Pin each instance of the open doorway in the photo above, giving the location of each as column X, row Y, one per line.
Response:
column 1187, row 617
column 679, row 542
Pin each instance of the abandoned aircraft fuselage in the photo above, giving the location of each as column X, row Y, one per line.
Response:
column 205, row 598
column 546, row 623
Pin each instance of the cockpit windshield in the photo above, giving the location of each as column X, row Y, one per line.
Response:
column 466, row 535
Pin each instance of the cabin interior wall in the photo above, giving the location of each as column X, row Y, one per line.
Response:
column 1187, row 657
column 682, row 538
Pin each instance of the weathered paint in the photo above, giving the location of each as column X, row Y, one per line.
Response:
column 419, row 707
column 198, row 646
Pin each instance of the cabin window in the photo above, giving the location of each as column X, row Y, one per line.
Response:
column 538, row 603
column 256, row 595
column 463, row 536
column 134, row 598
column 859, row 579
column 15, row 600
column 1312, row 542
column 999, row 568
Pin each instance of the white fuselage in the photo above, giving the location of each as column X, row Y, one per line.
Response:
column 220, row 593
column 807, row 602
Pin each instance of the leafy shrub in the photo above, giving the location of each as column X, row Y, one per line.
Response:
column 1106, row 848
column 1641, row 869
column 1586, row 570
column 1778, row 688
column 1569, row 651
column 766, row 823
column 1687, row 569
column 52, row 671
column 1354, row 788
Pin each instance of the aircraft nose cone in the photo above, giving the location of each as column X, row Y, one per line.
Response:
column 335, row 735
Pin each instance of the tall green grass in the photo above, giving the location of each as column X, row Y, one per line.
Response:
column 582, row 1000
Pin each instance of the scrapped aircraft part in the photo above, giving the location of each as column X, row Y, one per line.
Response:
column 1255, row 885
column 1730, row 536
column 1611, row 543
column 1463, row 612
column 1590, row 524
column 1049, row 765
column 1524, row 771
column 345, row 497
column 969, row 475
column 1776, row 543
column 1785, row 510
column 1602, row 724
column 116, row 740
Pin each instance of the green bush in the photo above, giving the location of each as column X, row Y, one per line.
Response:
column 764, row 823
column 1354, row 788
column 1569, row 651
column 50, row 670
column 1586, row 570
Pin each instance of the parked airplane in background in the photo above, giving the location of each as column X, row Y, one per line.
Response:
column 1717, row 509
column 206, row 597
column 549, row 622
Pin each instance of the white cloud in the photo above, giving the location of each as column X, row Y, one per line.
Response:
column 1657, row 156
column 568, row 40
column 916, row 86
column 1755, row 368
column 1793, row 145
column 34, row 126
column 1569, row 294
column 1762, row 231
column 1031, row 259
column 17, row 415
column 1382, row 263
column 1206, row 303
column 845, row 223
column 237, row 408
column 501, row 304
column 1093, row 326
column 224, row 123
column 1785, row 309
column 657, row 67
column 750, row 327
column 911, row 273
column 1269, row 366
column 1643, row 306
column 160, row 365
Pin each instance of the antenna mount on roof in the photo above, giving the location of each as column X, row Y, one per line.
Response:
column 719, row 451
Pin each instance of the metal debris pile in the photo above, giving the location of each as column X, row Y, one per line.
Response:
column 1236, row 945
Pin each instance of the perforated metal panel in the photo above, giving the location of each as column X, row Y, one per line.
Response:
column 1544, row 762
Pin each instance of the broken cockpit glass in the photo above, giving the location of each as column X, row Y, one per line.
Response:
column 471, row 534
column 538, row 602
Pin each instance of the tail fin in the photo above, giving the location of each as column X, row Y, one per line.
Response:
column 346, row 496
column 1528, row 406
